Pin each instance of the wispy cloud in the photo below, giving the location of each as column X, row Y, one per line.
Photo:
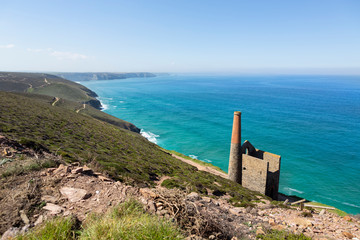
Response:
column 68, row 55
column 7, row 46
column 60, row 54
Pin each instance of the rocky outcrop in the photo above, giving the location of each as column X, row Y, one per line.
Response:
column 77, row 190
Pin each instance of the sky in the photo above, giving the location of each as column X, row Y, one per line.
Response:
column 226, row 36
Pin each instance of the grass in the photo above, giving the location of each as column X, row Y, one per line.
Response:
column 25, row 166
column 123, row 155
column 282, row 235
column 47, row 84
column 126, row 221
column 56, row 229
column 336, row 211
column 63, row 91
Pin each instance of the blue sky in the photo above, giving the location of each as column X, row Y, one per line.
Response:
column 261, row 36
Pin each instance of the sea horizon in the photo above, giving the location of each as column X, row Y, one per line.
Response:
column 307, row 119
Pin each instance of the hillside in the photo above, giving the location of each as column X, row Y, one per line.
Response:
column 47, row 84
column 64, row 93
column 92, row 76
column 67, row 159
column 122, row 154
column 124, row 166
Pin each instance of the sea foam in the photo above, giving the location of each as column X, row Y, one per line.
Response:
column 152, row 137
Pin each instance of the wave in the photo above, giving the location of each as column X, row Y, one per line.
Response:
column 291, row 190
column 104, row 106
column 152, row 137
column 345, row 203
column 193, row 156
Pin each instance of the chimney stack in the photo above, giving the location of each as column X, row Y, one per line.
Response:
column 235, row 161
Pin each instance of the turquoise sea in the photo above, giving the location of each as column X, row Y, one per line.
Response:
column 313, row 122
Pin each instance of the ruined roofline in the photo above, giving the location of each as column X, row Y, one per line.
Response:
column 251, row 149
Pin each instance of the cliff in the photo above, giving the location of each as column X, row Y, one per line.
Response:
column 63, row 93
column 64, row 158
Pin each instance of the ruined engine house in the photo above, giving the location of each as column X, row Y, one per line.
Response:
column 253, row 168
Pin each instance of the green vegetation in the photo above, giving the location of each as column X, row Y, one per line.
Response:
column 27, row 166
column 195, row 160
column 63, row 91
column 336, row 211
column 47, row 84
column 121, row 154
column 126, row 221
column 55, row 229
column 71, row 95
column 282, row 235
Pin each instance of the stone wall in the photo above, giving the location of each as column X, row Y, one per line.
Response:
column 260, row 171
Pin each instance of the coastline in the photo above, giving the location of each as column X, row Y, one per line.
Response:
column 292, row 190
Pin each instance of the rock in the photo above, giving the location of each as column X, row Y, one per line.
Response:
column 248, row 209
column 259, row 231
column 193, row 196
column 104, row 179
column 49, row 198
column 53, row 208
column 77, row 170
column 10, row 233
column 74, row 194
column 253, row 211
column 147, row 193
column 278, row 227
column 163, row 212
column 347, row 218
column 272, row 222
column 152, row 208
column 62, row 168
column 236, row 210
column 50, row 170
column 24, row 217
column 39, row 220
column 87, row 170
column 25, row 228
column 212, row 237
column 322, row 212
column 302, row 222
column 348, row 235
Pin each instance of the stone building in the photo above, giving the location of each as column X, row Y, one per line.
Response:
column 253, row 168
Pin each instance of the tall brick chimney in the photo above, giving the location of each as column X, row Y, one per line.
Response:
column 235, row 160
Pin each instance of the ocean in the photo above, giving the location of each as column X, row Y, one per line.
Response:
column 313, row 122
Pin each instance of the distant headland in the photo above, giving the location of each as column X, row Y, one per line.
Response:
column 93, row 76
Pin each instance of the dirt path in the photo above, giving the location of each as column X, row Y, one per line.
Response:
column 202, row 167
column 56, row 100
column 84, row 106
